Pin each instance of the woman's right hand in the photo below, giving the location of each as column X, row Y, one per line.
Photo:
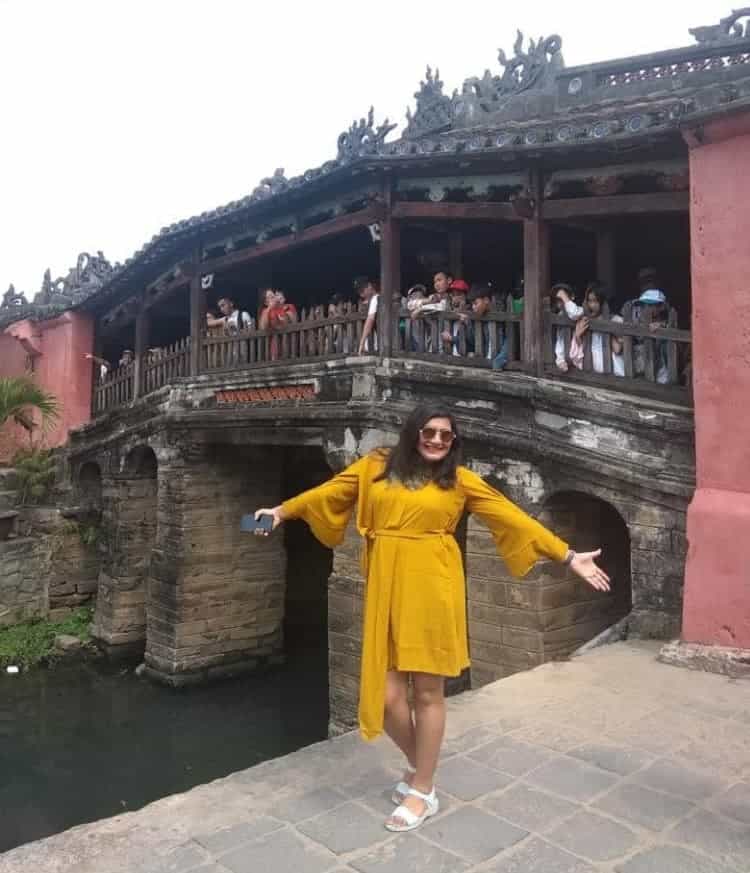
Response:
column 275, row 513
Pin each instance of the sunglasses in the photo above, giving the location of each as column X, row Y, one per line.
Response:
column 429, row 434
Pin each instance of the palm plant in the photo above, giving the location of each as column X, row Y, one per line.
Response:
column 19, row 395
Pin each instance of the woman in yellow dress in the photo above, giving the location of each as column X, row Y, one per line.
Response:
column 408, row 502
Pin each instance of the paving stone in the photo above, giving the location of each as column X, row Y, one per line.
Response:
column 296, row 809
column 280, row 852
column 670, row 859
column 183, row 858
column 735, row 803
column 467, row 779
column 409, row 852
column 537, row 856
column 510, row 755
column 345, row 829
column 594, row 837
column 364, row 781
column 528, row 808
column 573, row 779
column 716, row 837
column 615, row 759
column 644, row 807
column 676, row 779
column 474, row 834
column 229, row 838
column 469, row 740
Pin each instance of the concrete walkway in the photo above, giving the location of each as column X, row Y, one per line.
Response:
column 612, row 762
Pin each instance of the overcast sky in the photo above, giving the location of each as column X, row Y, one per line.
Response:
column 121, row 116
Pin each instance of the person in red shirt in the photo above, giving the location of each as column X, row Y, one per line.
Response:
column 280, row 314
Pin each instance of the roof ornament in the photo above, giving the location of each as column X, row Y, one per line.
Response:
column 734, row 27
column 362, row 138
column 13, row 298
column 271, row 185
column 535, row 68
column 433, row 112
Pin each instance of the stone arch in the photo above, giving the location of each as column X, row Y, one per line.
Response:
column 577, row 612
column 515, row 624
column 141, row 463
column 89, row 485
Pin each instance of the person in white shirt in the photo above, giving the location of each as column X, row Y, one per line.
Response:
column 232, row 319
column 563, row 303
column 601, row 343
column 368, row 293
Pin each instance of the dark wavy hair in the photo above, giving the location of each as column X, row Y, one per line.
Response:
column 403, row 461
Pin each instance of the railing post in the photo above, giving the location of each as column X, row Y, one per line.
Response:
column 536, row 257
column 390, row 274
column 197, row 320
column 605, row 257
column 142, row 323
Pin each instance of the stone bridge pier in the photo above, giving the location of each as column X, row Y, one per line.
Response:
column 128, row 526
column 215, row 600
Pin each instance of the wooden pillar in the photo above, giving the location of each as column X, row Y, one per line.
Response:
column 455, row 254
column 606, row 267
column 536, row 276
column 390, row 276
column 142, row 324
column 197, row 319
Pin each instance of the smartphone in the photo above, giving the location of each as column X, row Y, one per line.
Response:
column 249, row 524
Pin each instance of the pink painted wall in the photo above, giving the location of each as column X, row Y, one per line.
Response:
column 60, row 368
column 717, row 577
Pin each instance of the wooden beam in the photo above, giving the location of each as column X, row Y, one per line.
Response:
column 390, row 275
column 605, row 257
column 455, row 253
column 197, row 323
column 536, row 272
column 619, row 204
column 453, row 211
column 142, row 324
column 319, row 231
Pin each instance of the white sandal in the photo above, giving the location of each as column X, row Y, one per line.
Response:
column 402, row 787
column 411, row 819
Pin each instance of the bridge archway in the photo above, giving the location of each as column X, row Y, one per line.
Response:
column 572, row 612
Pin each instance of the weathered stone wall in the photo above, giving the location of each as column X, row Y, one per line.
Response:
column 47, row 570
column 216, row 595
column 128, row 534
column 345, row 616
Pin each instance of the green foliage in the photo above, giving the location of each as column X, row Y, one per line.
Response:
column 90, row 534
column 36, row 474
column 32, row 642
column 20, row 395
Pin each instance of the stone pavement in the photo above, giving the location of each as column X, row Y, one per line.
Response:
column 610, row 762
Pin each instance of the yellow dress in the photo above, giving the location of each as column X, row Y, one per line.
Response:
column 415, row 598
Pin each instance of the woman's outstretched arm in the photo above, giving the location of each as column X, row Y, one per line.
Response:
column 327, row 508
column 521, row 540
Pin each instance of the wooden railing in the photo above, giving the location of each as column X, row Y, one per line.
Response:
column 494, row 339
column 634, row 351
column 163, row 365
column 625, row 354
column 321, row 332
column 114, row 390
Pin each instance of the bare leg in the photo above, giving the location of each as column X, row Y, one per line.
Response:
column 429, row 705
column 398, row 722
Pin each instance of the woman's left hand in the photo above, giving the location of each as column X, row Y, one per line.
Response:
column 584, row 565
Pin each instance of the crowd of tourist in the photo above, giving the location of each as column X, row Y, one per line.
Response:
column 580, row 340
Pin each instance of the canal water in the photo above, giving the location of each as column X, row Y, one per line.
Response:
column 85, row 741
